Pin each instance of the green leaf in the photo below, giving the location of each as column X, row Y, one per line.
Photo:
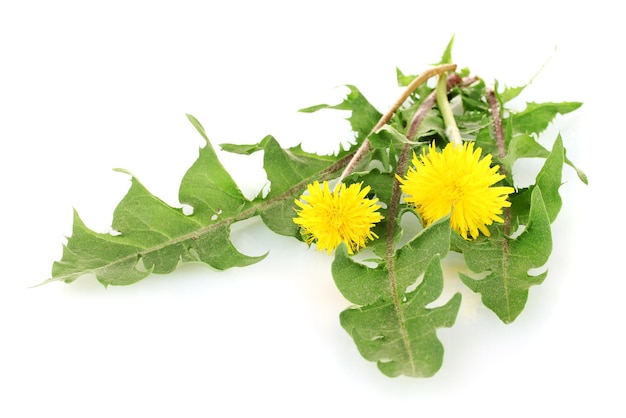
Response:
column 402, row 336
column 537, row 116
column 510, row 93
column 396, row 283
column 364, row 285
column 525, row 146
column 153, row 237
column 403, row 79
column 485, row 141
column 246, row 149
column 289, row 171
column 446, row 58
column 208, row 187
column 549, row 181
column 474, row 98
column 507, row 262
column 522, row 146
column 431, row 125
column 388, row 135
column 363, row 115
column 392, row 325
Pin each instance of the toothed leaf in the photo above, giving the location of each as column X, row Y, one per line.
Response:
column 508, row 262
column 537, row 116
column 363, row 116
column 392, row 325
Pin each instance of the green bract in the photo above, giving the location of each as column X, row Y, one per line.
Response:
column 396, row 290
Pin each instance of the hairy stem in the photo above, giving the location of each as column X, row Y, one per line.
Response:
column 494, row 107
column 392, row 214
column 365, row 146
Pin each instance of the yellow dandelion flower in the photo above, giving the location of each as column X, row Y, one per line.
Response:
column 332, row 217
column 456, row 180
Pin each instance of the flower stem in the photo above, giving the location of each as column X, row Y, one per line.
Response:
column 365, row 146
column 427, row 105
column 494, row 107
column 452, row 131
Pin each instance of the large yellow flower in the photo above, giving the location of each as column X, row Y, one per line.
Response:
column 332, row 217
column 456, row 180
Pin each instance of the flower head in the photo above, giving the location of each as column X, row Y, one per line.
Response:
column 456, row 180
column 332, row 217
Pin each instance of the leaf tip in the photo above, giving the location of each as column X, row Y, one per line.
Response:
column 196, row 123
column 123, row 171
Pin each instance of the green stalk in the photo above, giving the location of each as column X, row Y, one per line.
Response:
column 419, row 80
column 452, row 131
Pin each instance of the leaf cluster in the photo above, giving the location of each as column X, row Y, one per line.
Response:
column 396, row 284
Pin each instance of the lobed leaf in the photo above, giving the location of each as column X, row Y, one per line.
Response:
column 288, row 171
column 509, row 93
column 525, row 146
column 392, row 322
column 391, row 325
column 537, row 116
column 549, row 181
column 363, row 116
column 507, row 262
column 153, row 237
column 401, row 336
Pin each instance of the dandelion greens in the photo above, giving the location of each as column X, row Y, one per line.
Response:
column 441, row 157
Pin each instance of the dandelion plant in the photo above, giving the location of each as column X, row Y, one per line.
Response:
column 440, row 157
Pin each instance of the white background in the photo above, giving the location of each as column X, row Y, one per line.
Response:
column 86, row 87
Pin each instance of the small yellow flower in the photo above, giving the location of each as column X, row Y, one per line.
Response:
column 332, row 217
column 456, row 180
